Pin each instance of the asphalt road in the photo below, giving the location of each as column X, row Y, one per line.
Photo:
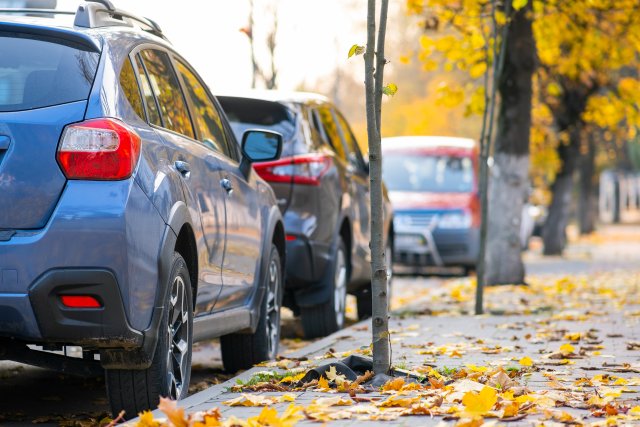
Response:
column 31, row 395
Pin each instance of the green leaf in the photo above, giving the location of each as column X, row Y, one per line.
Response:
column 390, row 89
column 519, row 4
column 356, row 50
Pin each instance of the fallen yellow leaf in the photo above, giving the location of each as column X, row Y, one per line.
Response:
column 259, row 400
column 146, row 420
column 526, row 361
column 333, row 401
column 393, row 385
column 323, row 384
column 269, row 417
column 567, row 349
column 171, row 410
column 480, row 403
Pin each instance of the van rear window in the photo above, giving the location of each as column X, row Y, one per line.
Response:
column 36, row 73
column 416, row 172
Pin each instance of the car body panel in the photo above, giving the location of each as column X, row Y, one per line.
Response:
column 245, row 229
column 113, row 226
column 29, row 165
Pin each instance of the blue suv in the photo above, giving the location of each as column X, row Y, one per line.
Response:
column 131, row 223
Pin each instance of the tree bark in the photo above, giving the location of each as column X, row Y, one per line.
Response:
column 568, row 117
column 254, row 62
column 588, row 204
column 554, row 234
column 373, row 86
column 509, row 176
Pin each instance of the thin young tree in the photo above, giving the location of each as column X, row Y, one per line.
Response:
column 374, row 62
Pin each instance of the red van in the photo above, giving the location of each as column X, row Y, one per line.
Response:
column 433, row 187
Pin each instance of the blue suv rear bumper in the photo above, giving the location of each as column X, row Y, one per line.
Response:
column 101, row 239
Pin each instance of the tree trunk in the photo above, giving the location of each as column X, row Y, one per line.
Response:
column 373, row 86
column 554, row 234
column 588, row 204
column 509, row 176
column 254, row 62
column 568, row 117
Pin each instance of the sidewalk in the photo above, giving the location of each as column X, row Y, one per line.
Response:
column 565, row 350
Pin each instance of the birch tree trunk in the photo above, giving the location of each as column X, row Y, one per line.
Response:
column 509, row 176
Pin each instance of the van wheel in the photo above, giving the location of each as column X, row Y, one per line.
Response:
column 323, row 319
column 468, row 270
column 137, row 390
column 363, row 298
column 242, row 351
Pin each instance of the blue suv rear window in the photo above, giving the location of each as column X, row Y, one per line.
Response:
column 36, row 73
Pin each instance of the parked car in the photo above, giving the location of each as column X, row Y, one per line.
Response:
column 132, row 223
column 433, row 188
column 322, row 187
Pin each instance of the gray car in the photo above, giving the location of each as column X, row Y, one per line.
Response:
column 322, row 186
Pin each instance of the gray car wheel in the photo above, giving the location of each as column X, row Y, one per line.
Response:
column 323, row 319
column 137, row 390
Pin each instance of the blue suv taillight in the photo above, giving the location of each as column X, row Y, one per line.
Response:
column 99, row 149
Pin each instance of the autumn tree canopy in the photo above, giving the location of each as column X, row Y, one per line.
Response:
column 586, row 75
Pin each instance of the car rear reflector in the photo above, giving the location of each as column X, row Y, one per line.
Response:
column 99, row 149
column 305, row 170
column 80, row 301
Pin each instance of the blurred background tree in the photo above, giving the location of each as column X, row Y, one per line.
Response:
column 584, row 93
column 268, row 79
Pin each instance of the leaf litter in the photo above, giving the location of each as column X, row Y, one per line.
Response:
column 473, row 394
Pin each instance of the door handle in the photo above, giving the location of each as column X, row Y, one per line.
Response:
column 4, row 142
column 183, row 168
column 227, row 185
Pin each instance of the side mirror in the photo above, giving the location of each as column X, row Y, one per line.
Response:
column 259, row 146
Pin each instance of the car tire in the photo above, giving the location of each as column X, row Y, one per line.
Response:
column 468, row 270
column 137, row 390
column 363, row 299
column 323, row 319
column 242, row 351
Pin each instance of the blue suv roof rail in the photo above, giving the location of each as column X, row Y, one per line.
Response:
column 95, row 14
column 103, row 13
column 30, row 11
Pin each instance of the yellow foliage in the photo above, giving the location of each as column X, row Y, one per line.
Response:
column 526, row 361
column 566, row 349
column 323, row 384
column 269, row 417
column 393, row 385
column 587, row 43
column 146, row 420
column 480, row 403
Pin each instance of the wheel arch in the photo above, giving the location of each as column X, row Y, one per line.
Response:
column 274, row 235
column 186, row 246
column 279, row 239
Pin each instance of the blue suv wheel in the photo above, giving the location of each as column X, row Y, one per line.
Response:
column 134, row 390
